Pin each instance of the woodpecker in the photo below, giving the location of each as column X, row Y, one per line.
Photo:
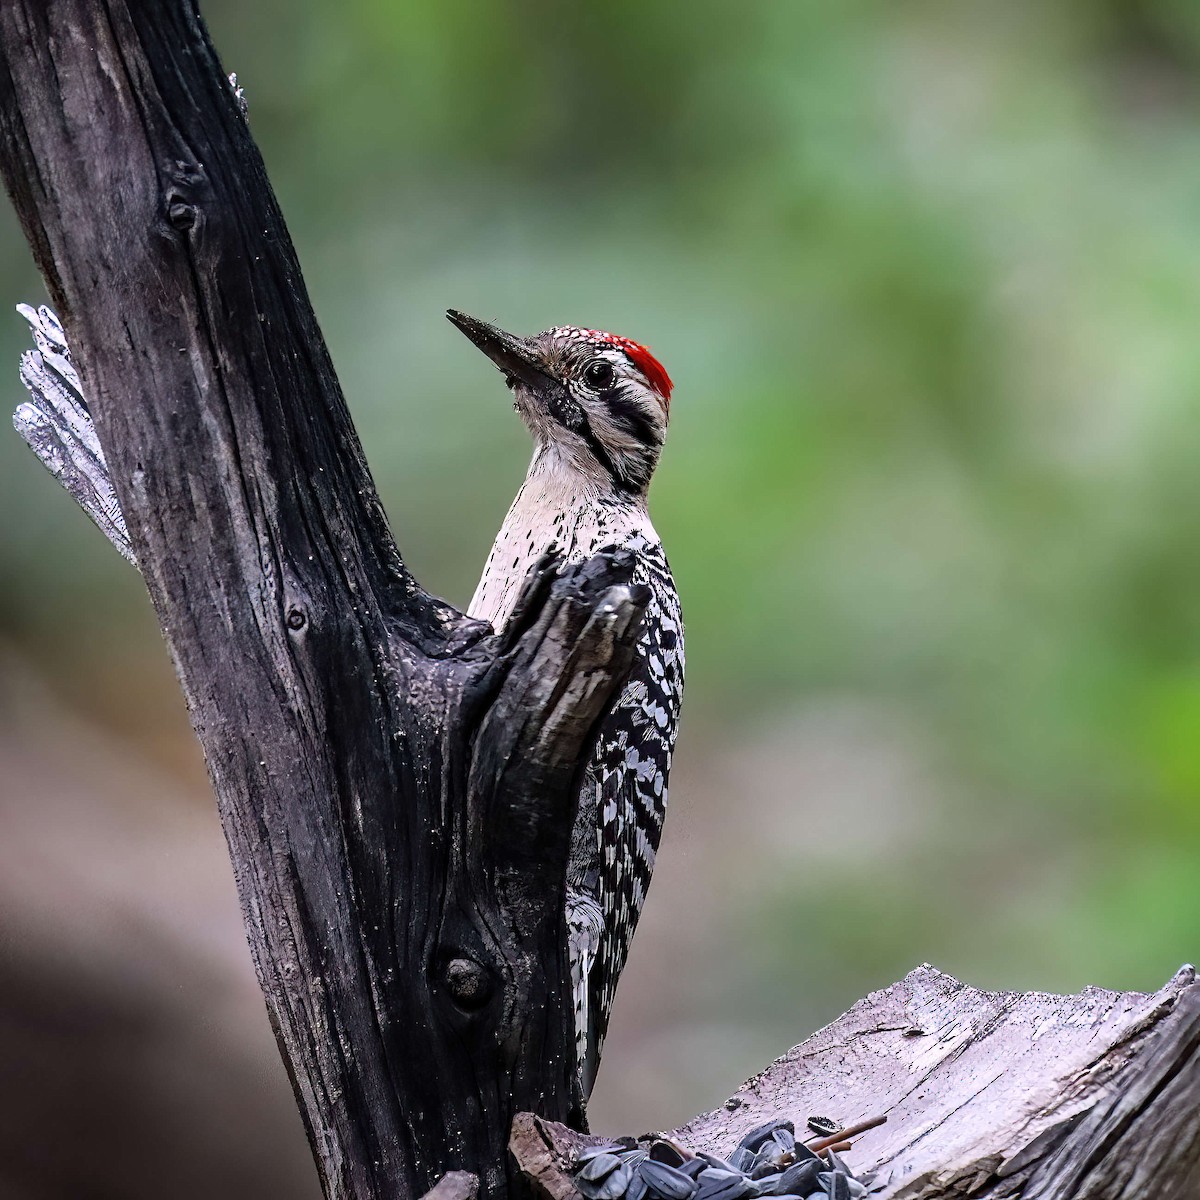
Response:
column 597, row 407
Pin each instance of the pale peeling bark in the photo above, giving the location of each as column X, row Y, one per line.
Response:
column 57, row 426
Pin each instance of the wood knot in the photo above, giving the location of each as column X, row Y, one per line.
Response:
column 181, row 214
column 296, row 620
column 184, row 194
column 468, row 982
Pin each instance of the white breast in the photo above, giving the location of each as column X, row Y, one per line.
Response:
column 561, row 509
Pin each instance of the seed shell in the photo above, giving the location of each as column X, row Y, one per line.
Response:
column 598, row 1166
column 767, row 1164
column 590, row 1152
column 741, row 1160
column 664, row 1152
column 800, row 1177
column 761, row 1133
column 717, row 1163
column 615, row 1185
column 667, row 1182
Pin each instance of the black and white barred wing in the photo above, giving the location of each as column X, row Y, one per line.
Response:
column 57, row 425
column 632, row 766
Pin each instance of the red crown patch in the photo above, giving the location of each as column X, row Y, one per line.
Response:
column 655, row 373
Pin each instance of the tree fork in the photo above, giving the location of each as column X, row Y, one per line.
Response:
column 396, row 782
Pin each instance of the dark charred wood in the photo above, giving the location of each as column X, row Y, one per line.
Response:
column 995, row 1095
column 395, row 782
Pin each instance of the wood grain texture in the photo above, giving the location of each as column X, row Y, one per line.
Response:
column 396, row 784
column 1142, row 1137
column 987, row 1094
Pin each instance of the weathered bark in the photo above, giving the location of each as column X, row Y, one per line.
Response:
column 987, row 1094
column 395, row 783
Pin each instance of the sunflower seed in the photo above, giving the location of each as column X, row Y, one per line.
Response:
column 615, row 1185
column 666, row 1181
column 765, row 1164
column 823, row 1126
column 765, row 1185
column 801, row 1176
column 768, row 1164
column 664, row 1152
column 609, row 1188
column 741, row 1160
column 598, row 1166
column 760, row 1133
column 784, row 1138
column 714, row 1178
column 838, row 1163
column 723, row 1185
column 590, row 1152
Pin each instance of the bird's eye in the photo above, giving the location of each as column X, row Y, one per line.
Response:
column 598, row 373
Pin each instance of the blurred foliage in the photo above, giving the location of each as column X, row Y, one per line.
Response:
column 928, row 279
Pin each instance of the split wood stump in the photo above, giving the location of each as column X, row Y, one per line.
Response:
column 987, row 1094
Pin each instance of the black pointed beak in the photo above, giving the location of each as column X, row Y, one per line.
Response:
column 515, row 356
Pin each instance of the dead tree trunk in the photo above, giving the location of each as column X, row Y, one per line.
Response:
column 396, row 783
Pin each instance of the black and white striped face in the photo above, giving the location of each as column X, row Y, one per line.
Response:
column 602, row 400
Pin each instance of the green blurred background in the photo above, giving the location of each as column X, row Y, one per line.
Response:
column 927, row 277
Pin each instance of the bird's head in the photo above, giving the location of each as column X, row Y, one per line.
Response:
column 599, row 401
